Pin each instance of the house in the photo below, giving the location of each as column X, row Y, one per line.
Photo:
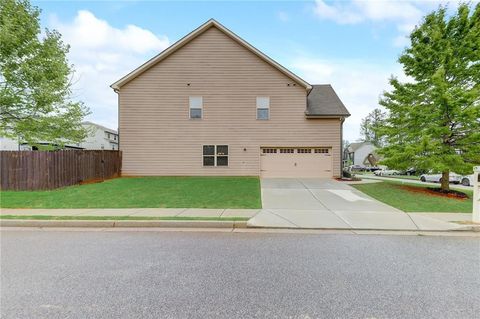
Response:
column 8, row 144
column 99, row 137
column 361, row 154
column 212, row 104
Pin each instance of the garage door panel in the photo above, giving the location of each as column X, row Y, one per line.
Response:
column 314, row 164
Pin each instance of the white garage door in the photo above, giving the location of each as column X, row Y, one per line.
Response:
column 296, row 162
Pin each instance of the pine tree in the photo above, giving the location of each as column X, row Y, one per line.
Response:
column 434, row 118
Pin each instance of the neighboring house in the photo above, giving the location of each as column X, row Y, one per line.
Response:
column 100, row 137
column 362, row 154
column 212, row 104
column 8, row 144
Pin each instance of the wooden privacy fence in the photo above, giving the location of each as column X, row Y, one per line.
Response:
column 35, row 170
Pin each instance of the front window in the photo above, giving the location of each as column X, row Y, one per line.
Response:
column 196, row 107
column 215, row 155
column 263, row 108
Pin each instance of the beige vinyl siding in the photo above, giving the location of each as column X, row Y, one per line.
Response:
column 159, row 138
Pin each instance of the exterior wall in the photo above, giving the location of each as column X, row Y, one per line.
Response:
column 97, row 140
column 361, row 154
column 7, row 144
column 158, row 138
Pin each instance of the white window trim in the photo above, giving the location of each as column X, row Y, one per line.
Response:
column 215, row 155
column 259, row 100
column 191, row 101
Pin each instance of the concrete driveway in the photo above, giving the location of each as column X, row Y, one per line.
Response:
column 324, row 203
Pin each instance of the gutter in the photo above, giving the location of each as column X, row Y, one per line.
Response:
column 341, row 146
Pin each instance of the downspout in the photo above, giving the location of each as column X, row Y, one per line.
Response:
column 342, row 119
column 118, row 117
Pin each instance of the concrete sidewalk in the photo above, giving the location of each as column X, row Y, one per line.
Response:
column 312, row 219
column 134, row 212
column 264, row 218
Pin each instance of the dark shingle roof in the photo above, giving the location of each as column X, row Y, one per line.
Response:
column 323, row 101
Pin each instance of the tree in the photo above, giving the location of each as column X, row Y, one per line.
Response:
column 369, row 127
column 434, row 119
column 35, row 87
column 346, row 159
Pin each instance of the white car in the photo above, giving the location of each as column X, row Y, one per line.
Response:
column 437, row 178
column 467, row 180
column 386, row 172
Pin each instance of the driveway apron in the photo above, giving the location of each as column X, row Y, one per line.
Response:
column 324, row 203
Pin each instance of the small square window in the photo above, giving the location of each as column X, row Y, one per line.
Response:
column 263, row 102
column 208, row 149
column 222, row 160
column 209, row 161
column 263, row 114
column 195, row 113
column 222, row 149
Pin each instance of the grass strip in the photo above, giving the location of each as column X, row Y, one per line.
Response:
column 192, row 218
column 392, row 193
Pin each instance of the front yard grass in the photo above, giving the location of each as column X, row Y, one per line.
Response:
column 145, row 192
column 392, row 193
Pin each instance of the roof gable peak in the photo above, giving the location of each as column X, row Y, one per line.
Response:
column 192, row 35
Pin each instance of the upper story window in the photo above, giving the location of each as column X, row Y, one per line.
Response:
column 263, row 108
column 196, row 107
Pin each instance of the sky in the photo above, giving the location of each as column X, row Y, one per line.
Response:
column 352, row 44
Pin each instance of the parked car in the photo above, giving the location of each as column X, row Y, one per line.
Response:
column 386, row 172
column 411, row 171
column 356, row 167
column 437, row 178
column 467, row 180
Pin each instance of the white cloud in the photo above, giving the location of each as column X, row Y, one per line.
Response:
column 339, row 12
column 357, row 11
column 283, row 16
column 359, row 84
column 103, row 54
column 404, row 14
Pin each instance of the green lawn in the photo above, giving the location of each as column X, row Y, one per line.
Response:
column 145, row 192
column 391, row 193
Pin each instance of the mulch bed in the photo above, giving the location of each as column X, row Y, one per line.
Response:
column 435, row 192
column 348, row 179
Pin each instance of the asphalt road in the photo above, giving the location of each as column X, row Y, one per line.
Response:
column 82, row 274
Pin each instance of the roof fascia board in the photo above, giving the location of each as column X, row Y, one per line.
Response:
column 327, row 116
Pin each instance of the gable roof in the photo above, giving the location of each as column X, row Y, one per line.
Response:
column 192, row 35
column 322, row 101
column 100, row 127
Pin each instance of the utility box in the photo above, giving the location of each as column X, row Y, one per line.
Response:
column 476, row 194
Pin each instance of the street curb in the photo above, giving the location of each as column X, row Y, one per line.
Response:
column 186, row 224
column 123, row 223
column 473, row 228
